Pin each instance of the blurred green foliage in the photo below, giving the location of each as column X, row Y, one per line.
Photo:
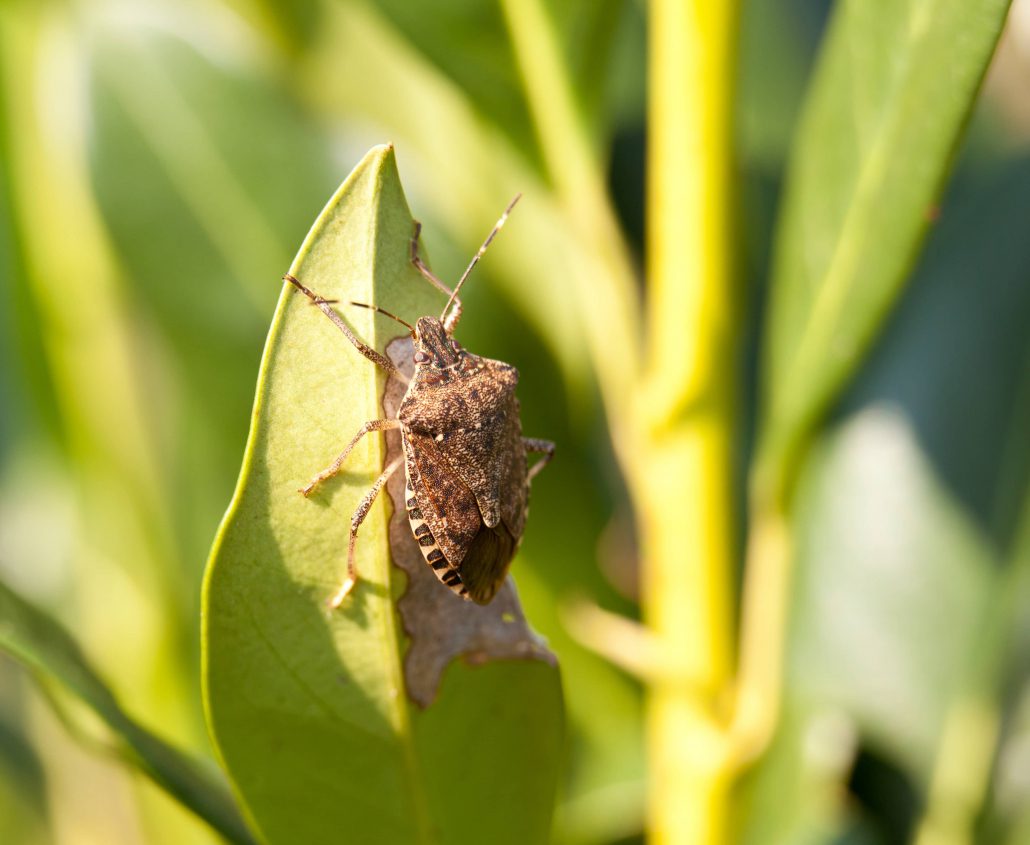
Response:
column 160, row 162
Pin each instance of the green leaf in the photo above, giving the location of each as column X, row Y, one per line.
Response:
column 308, row 706
column 892, row 92
column 37, row 641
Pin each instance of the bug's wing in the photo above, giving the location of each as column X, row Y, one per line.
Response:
column 514, row 503
column 477, row 553
column 475, row 421
column 486, row 563
column 448, row 506
column 491, row 460
column 494, row 468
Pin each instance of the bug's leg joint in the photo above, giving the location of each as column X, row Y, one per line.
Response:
column 323, row 305
column 359, row 517
column 544, row 447
column 336, row 466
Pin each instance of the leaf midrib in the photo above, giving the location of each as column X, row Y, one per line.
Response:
column 391, row 642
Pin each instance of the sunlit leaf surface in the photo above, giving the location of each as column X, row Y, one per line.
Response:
column 308, row 706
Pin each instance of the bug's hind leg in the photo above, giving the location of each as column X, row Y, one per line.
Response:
column 545, row 447
column 335, row 467
column 355, row 523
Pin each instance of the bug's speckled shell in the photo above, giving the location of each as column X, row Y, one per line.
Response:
column 465, row 460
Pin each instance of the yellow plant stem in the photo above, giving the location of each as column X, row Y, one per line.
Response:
column 675, row 439
column 961, row 777
column 683, row 490
column 688, row 555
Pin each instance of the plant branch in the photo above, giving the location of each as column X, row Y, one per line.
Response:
column 605, row 282
column 686, row 413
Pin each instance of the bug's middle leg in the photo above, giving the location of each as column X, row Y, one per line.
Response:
column 355, row 523
column 545, row 447
column 335, row 467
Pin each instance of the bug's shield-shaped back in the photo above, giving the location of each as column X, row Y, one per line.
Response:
column 465, row 440
column 442, row 626
column 491, row 459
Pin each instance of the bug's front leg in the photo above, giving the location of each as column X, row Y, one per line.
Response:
column 325, row 306
column 420, row 265
column 335, row 467
column 429, row 276
column 355, row 523
column 545, row 447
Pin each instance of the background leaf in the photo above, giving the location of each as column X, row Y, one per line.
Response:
column 907, row 602
column 41, row 644
column 892, row 91
column 894, row 86
column 308, row 706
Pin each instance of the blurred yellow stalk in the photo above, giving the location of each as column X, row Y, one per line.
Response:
column 683, row 482
column 675, row 443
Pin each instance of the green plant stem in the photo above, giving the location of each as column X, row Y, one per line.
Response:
column 961, row 778
column 686, row 414
column 606, row 288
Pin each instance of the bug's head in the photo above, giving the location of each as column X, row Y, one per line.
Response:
column 434, row 346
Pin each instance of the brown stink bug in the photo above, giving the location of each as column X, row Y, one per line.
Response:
column 463, row 450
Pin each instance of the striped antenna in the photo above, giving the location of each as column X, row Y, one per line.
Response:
column 386, row 313
column 478, row 255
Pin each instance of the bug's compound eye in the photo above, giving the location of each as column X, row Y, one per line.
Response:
column 455, row 346
column 421, row 357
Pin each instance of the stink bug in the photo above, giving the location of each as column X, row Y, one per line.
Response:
column 463, row 450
